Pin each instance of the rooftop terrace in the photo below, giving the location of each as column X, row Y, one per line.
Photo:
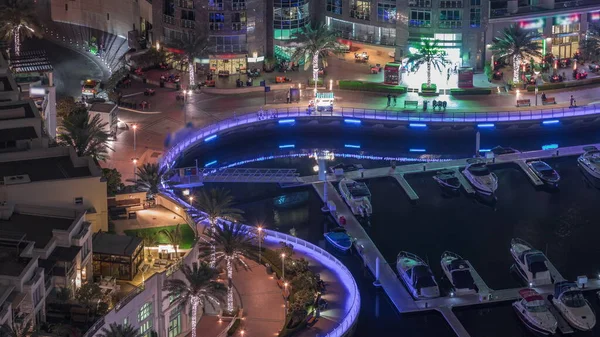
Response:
column 36, row 228
column 41, row 169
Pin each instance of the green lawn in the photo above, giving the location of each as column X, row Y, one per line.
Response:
column 186, row 232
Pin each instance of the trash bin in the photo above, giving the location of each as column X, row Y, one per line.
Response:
column 269, row 268
column 262, row 83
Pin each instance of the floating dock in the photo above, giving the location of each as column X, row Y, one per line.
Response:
column 482, row 287
column 464, row 182
column 563, row 326
column 453, row 321
column 412, row 195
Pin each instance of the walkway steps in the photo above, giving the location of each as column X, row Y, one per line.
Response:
column 563, row 326
column 412, row 195
column 464, row 182
column 387, row 277
column 529, row 173
column 454, row 322
column 481, row 285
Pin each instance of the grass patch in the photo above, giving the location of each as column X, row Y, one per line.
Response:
column 474, row 91
column 372, row 86
column 186, row 232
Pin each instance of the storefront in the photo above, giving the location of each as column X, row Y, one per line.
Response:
column 228, row 64
column 565, row 35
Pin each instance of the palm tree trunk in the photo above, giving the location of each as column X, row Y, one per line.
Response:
column 194, row 301
column 229, row 286
column 428, row 74
column 191, row 71
column 516, row 61
column 17, row 37
column 213, row 253
column 315, row 65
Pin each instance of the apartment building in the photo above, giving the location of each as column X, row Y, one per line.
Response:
column 41, row 249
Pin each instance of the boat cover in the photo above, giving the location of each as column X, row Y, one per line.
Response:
column 358, row 189
column 530, row 295
column 536, row 262
column 564, row 286
column 462, row 279
column 479, row 170
column 340, row 238
column 422, row 277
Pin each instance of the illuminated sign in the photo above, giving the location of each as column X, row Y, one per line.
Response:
column 532, row 24
column 37, row 91
column 594, row 16
column 256, row 59
column 566, row 20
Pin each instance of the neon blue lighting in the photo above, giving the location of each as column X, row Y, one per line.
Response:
column 551, row 121
column 352, row 121
column 287, row 121
column 287, row 146
column 209, row 138
column 417, row 150
column 352, row 146
column 485, row 125
column 210, row 163
column 485, row 150
column 417, row 125
column 549, row 146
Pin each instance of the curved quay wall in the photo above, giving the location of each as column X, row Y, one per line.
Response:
column 356, row 116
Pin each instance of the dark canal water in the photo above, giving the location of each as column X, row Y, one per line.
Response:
column 563, row 223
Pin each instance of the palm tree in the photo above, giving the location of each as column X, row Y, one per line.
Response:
column 431, row 54
column 516, row 44
column 591, row 44
column 119, row 330
column 192, row 47
column 217, row 204
column 233, row 242
column 314, row 43
column 85, row 134
column 150, row 240
column 197, row 287
column 21, row 327
column 149, row 178
column 174, row 237
column 15, row 17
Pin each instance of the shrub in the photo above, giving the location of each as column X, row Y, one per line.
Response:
column 371, row 86
column 234, row 327
column 474, row 91
column 430, row 88
column 488, row 70
column 311, row 82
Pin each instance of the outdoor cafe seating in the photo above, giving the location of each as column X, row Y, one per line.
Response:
column 579, row 75
column 556, row 78
column 361, row 57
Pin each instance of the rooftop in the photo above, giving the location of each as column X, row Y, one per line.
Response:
column 67, row 254
column 5, row 84
column 22, row 133
column 51, row 168
column 16, row 110
column 37, row 228
column 11, row 264
column 113, row 244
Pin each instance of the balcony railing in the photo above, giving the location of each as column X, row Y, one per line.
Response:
column 420, row 23
column 186, row 4
column 188, row 24
column 238, row 7
column 450, row 24
column 168, row 19
column 451, row 4
column 420, row 3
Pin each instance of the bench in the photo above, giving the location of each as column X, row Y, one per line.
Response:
column 523, row 102
column 549, row 100
column 412, row 104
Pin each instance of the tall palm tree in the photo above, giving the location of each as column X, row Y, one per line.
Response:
column 18, row 16
column 119, row 330
column 197, row 287
column 516, row 44
column 429, row 53
column 85, row 134
column 192, row 47
column 233, row 242
column 217, row 204
column 150, row 240
column 174, row 236
column 149, row 177
column 315, row 42
column 590, row 46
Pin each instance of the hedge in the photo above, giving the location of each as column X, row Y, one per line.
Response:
column 474, row 91
column 431, row 88
column 371, row 86
column 563, row 85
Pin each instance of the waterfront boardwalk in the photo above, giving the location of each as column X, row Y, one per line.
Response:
column 466, row 185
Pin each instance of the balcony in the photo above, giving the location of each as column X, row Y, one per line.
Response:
column 168, row 19
column 237, row 26
column 419, row 23
column 185, row 4
column 360, row 14
column 238, row 7
column 567, row 6
column 451, row 4
column 215, row 26
column 450, row 24
column 188, row 24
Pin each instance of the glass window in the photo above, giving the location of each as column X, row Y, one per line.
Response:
column 334, row 6
column 475, row 17
column 146, row 328
column 126, row 321
column 175, row 325
column 291, row 17
column 419, row 18
column 386, row 12
column 145, row 311
column 238, row 5
column 228, row 44
column 360, row 9
column 451, row 4
column 450, row 15
column 216, row 21
column 475, row 2
column 419, row 3
column 215, row 4
column 188, row 15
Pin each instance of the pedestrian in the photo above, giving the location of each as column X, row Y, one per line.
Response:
column 447, row 77
column 389, row 97
column 395, row 97
column 571, row 102
column 543, row 96
column 288, row 96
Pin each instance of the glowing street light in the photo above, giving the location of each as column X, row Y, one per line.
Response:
column 283, row 266
column 259, row 228
column 134, row 138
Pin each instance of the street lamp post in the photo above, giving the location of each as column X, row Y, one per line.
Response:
column 285, row 295
column 259, row 244
column 537, row 73
column 283, row 266
column 134, row 139
column 134, row 161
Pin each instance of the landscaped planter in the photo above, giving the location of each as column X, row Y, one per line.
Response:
column 474, row 91
column 562, row 85
column 371, row 86
column 430, row 90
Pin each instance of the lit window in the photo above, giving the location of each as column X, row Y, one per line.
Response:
column 146, row 328
column 175, row 325
column 145, row 311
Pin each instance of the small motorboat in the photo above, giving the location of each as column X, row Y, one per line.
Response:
column 531, row 263
column 357, row 196
column 458, row 272
column 545, row 172
column 345, row 167
column 339, row 239
column 417, row 276
column 590, row 161
column 571, row 304
column 479, row 175
column 534, row 313
column 447, row 179
column 500, row 150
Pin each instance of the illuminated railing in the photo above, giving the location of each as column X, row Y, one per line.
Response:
column 291, row 114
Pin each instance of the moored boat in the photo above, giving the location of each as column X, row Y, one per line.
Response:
column 571, row 304
column 531, row 263
column 357, row 196
column 458, row 272
column 345, row 167
column 447, row 179
column 339, row 239
column 479, row 175
column 417, row 276
column 534, row 313
column 500, row 150
column 545, row 172
column 590, row 161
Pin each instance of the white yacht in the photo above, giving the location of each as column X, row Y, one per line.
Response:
column 569, row 300
column 531, row 263
column 458, row 272
column 417, row 276
column 545, row 172
column 590, row 161
column 357, row 196
column 534, row 313
column 478, row 174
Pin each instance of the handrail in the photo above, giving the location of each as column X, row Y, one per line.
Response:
column 263, row 116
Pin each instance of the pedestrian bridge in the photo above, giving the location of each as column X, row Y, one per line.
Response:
column 193, row 177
